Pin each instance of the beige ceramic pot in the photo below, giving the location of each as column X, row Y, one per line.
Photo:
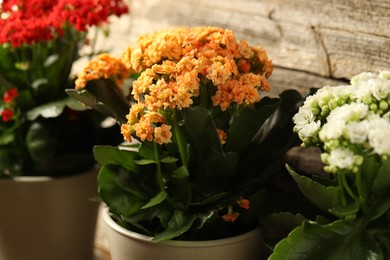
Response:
column 43, row 218
column 126, row 245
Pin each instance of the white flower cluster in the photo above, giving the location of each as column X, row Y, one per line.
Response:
column 348, row 122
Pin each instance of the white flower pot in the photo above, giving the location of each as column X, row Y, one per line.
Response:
column 126, row 245
column 44, row 218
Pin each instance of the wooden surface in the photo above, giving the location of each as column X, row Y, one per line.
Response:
column 312, row 42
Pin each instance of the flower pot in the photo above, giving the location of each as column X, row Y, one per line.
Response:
column 44, row 218
column 125, row 244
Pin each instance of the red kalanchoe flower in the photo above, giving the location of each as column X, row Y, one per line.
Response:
column 10, row 95
column 33, row 21
column 7, row 115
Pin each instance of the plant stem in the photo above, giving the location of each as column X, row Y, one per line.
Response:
column 362, row 196
column 347, row 188
column 180, row 141
column 158, row 166
column 342, row 194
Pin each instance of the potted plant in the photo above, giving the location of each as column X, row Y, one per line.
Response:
column 203, row 153
column 351, row 127
column 46, row 137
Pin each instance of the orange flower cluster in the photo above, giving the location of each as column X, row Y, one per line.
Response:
column 232, row 216
column 174, row 65
column 175, row 62
column 104, row 66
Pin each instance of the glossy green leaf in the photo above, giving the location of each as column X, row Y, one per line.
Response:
column 104, row 96
column 204, row 139
column 285, row 221
column 120, row 201
column 178, row 224
column 160, row 197
column 181, row 173
column 54, row 109
column 338, row 240
column 381, row 206
column 144, row 161
column 249, row 121
column 345, row 210
column 112, row 155
column 169, row 160
column 382, row 180
column 321, row 196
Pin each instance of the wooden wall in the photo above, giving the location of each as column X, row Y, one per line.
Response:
column 312, row 42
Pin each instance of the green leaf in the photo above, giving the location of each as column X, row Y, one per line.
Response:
column 321, row 196
column 285, row 221
column 369, row 172
column 381, row 206
column 160, row 197
column 382, row 180
column 181, row 173
column 178, row 224
column 169, row 160
column 213, row 199
column 41, row 141
column 104, row 96
column 54, row 109
column 113, row 155
column 345, row 210
column 338, row 240
column 144, row 161
column 247, row 123
column 121, row 201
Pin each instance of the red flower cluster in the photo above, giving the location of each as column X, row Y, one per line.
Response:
column 42, row 20
column 7, row 114
column 10, row 95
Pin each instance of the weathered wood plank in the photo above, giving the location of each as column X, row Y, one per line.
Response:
column 296, row 33
column 283, row 78
column 311, row 42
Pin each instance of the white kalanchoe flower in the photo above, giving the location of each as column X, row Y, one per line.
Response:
column 384, row 74
column 342, row 158
column 378, row 135
column 356, row 132
column 380, row 88
column 332, row 130
column 310, row 131
column 349, row 112
column 304, row 117
column 362, row 77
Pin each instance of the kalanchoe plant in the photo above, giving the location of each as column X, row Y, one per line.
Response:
column 351, row 126
column 202, row 148
column 42, row 130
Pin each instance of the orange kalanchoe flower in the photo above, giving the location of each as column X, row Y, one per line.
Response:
column 222, row 136
column 231, row 217
column 243, row 203
column 177, row 66
column 104, row 66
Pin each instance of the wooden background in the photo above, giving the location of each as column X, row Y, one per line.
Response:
column 312, row 42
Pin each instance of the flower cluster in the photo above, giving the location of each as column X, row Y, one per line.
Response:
column 349, row 122
column 195, row 127
column 8, row 106
column 40, row 40
column 29, row 22
column 176, row 66
column 103, row 67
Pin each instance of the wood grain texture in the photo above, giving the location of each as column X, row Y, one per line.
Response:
column 311, row 42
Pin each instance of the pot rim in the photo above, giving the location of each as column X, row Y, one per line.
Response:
column 46, row 178
column 178, row 243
